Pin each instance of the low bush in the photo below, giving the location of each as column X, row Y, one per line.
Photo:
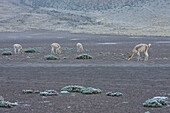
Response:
column 6, row 53
column 81, row 89
column 29, row 50
column 49, row 93
column 91, row 90
column 117, row 94
column 6, row 104
column 51, row 57
column 27, row 91
column 73, row 88
column 84, row 56
column 155, row 102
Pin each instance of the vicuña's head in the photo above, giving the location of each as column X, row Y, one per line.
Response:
column 60, row 50
column 129, row 57
column 23, row 52
column 149, row 45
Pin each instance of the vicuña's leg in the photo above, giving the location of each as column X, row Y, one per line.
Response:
column 82, row 50
column 15, row 50
column 60, row 50
column 22, row 50
column 18, row 51
column 129, row 57
column 146, row 56
column 146, row 53
column 78, row 49
column 57, row 50
column 138, row 54
column 52, row 50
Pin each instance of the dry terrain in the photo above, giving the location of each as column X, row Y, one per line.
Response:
column 109, row 70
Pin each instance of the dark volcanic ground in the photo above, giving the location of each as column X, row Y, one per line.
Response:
column 109, row 70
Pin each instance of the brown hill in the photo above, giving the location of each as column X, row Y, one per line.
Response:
column 124, row 17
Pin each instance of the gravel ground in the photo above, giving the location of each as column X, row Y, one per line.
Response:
column 109, row 71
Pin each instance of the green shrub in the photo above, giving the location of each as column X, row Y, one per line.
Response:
column 6, row 104
column 29, row 50
column 91, row 90
column 81, row 89
column 49, row 93
column 117, row 94
column 30, row 91
column 73, row 88
column 7, row 53
column 36, row 91
column 155, row 102
column 27, row 91
column 84, row 56
column 51, row 57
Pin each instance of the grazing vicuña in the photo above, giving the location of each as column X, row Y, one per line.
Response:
column 140, row 48
column 19, row 47
column 57, row 46
column 80, row 47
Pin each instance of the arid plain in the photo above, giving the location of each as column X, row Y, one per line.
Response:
column 109, row 70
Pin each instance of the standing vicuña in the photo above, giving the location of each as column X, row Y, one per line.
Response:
column 80, row 47
column 19, row 47
column 57, row 46
column 140, row 48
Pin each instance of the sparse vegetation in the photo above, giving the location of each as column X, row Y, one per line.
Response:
column 6, row 53
column 30, row 91
column 29, row 50
column 27, row 91
column 49, row 93
column 51, row 57
column 81, row 89
column 91, row 90
column 116, row 94
column 36, row 91
column 84, row 56
column 6, row 104
column 155, row 102
column 73, row 88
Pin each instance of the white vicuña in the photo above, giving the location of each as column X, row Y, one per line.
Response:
column 80, row 47
column 19, row 47
column 140, row 48
column 57, row 46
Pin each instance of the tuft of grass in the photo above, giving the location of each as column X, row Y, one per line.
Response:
column 73, row 88
column 27, row 91
column 51, row 57
column 155, row 102
column 29, row 50
column 84, row 56
column 81, row 89
column 6, row 104
column 36, row 91
column 117, row 94
column 91, row 90
column 30, row 91
column 6, row 53
column 49, row 93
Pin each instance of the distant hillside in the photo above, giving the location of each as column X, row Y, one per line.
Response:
column 123, row 17
column 86, row 5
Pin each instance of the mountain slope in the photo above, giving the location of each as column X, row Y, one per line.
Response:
column 124, row 17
